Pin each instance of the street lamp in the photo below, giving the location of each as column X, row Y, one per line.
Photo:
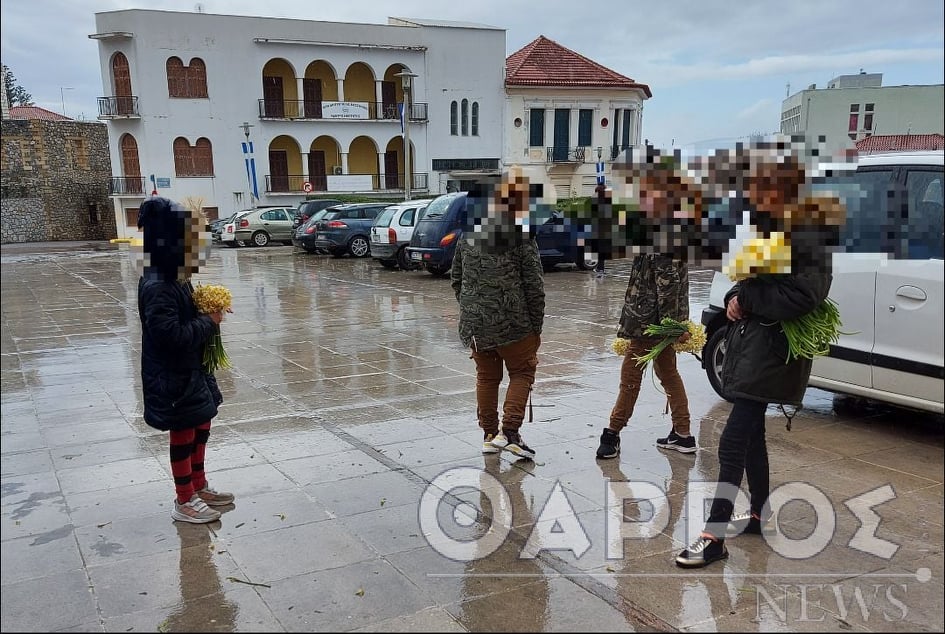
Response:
column 407, row 78
column 62, row 97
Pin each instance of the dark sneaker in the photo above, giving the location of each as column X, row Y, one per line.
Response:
column 748, row 523
column 487, row 446
column 702, row 552
column 682, row 444
column 609, row 444
column 212, row 497
column 511, row 441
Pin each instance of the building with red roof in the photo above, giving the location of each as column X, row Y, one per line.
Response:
column 32, row 113
column 569, row 113
column 900, row 143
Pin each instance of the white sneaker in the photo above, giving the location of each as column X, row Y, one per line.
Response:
column 196, row 512
column 487, row 446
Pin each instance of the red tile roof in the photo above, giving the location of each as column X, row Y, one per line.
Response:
column 900, row 143
column 544, row 62
column 35, row 112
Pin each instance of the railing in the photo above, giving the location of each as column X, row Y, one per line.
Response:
column 295, row 183
column 338, row 110
column 121, row 106
column 563, row 154
column 127, row 186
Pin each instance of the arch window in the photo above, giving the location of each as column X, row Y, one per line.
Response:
column 475, row 118
column 464, row 109
column 454, row 119
column 193, row 160
column 188, row 82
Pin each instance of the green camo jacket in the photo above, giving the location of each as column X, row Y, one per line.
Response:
column 658, row 288
column 501, row 295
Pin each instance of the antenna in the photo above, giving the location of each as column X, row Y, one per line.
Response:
column 198, row 7
column 787, row 92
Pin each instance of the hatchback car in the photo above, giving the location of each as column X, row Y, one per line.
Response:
column 434, row 240
column 304, row 237
column 392, row 231
column 558, row 244
column 307, row 209
column 346, row 229
column 887, row 283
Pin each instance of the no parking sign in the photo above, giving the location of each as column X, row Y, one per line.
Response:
column 307, row 187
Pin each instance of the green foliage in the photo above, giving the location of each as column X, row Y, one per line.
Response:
column 15, row 92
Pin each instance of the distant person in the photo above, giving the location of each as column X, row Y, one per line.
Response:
column 179, row 396
column 497, row 278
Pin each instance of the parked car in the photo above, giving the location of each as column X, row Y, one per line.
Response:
column 557, row 244
column 433, row 243
column 887, row 282
column 307, row 209
column 346, row 229
column 217, row 226
column 392, row 231
column 228, row 233
column 261, row 226
column 304, row 237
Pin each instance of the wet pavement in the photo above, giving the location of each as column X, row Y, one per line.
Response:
column 350, row 394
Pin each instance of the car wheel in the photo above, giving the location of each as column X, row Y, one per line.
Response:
column 287, row 243
column 231, row 244
column 260, row 238
column 585, row 262
column 389, row 264
column 359, row 247
column 713, row 356
column 438, row 271
column 403, row 259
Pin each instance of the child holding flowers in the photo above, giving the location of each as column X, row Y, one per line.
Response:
column 181, row 395
column 658, row 289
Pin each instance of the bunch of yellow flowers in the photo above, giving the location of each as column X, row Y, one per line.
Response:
column 760, row 255
column 208, row 299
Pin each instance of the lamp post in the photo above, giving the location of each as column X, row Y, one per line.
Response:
column 407, row 78
column 62, row 97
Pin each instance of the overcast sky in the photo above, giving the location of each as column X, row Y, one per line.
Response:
column 716, row 72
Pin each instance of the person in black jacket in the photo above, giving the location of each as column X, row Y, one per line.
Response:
column 179, row 396
column 756, row 370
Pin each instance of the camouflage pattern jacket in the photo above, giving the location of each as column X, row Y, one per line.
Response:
column 658, row 288
column 501, row 294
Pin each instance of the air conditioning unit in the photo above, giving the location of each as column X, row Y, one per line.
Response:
column 337, row 171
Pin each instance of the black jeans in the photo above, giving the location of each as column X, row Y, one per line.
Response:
column 742, row 449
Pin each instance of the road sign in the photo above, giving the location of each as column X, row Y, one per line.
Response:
column 307, row 187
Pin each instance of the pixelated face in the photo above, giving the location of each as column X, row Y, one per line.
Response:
column 179, row 241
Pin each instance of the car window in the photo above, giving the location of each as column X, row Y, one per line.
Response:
column 439, row 206
column 371, row 212
column 334, row 214
column 406, row 218
column 384, row 219
column 867, row 195
column 924, row 228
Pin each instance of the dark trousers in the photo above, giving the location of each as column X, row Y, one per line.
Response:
column 742, row 450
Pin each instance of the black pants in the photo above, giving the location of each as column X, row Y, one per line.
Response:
column 742, row 450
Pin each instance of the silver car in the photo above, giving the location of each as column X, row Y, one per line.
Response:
column 261, row 226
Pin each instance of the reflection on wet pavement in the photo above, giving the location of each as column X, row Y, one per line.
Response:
column 350, row 394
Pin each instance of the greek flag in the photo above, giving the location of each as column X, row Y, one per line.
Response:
column 250, row 162
column 400, row 108
column 600, row 173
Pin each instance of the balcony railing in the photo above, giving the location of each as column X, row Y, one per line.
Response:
column 295, row 184
column 127, row 186
column 564, row 154
column 114, row 107
column 338, row 110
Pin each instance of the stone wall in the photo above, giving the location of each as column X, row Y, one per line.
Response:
column 24, row 220
column 66, row 166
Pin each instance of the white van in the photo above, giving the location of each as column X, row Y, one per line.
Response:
column 887, row 282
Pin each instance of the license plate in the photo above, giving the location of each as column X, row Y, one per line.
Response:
column 416, row 255
column 321, row 236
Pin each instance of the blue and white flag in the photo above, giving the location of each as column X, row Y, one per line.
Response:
column 600, row 173
column 250, row 162
column 400, row 107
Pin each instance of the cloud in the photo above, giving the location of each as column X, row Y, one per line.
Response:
column 751, row 112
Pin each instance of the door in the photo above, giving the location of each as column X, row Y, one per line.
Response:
column 562, row 134
column 312, row 97
column 391, row 177
column 316, row 170
column 130, row 167
column 279, row 224
column 278, row 171
column 389, row 101
column 121, row 76
column 272, row 97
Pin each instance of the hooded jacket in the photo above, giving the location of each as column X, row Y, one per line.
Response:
column 497, row 279
column 178, row 393
column 658, row 288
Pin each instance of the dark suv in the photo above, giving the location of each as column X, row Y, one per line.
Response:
column 347, row 229
column 434, row 240
column 307, row 209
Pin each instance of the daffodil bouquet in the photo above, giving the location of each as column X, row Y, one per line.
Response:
column 670, row 330
column 212, row 298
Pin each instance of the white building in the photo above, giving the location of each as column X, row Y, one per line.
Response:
column 321, row 100
column 854, row 107
column 566, row 113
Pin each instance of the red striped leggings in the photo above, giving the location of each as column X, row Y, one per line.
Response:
column 188, row 448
